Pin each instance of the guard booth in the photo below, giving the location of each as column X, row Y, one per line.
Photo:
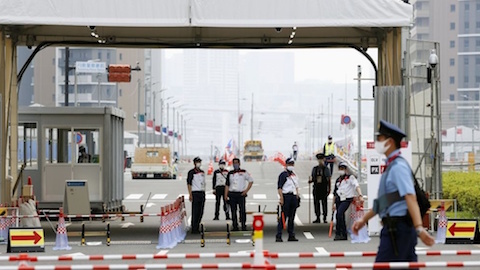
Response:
column 49, row 143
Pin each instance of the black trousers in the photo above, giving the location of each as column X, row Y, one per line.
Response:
column 342, row 206
column 289, row 209
column 220, row 195
column 237, row 200
column 405, row 241
column 198, row 204
column 320, row 195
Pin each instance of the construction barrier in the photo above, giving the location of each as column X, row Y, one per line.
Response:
column 173, row 228
column 182, row 256
column 386, row 265
column 7, row 220
column 357, row 213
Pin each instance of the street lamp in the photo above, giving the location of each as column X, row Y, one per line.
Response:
column 431, row 78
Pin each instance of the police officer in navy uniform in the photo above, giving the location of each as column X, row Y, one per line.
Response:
column 196, row 191
column 288, row 193
column 401, row 219
column 320, row 178
column 239, row 183
column 219, row 180
column 344, row 192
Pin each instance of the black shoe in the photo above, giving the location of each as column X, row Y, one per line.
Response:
column 227, row 217
column 244, row 228
column 195, row 232
column 317, row 220
column 235, row 229
column 340, row 238
column 278, row 239
column 215, row 218
column 324, row 220
column 292, row 239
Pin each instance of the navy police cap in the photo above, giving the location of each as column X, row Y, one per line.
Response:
column 390, row 130
column 289, row 161
column 320, row 155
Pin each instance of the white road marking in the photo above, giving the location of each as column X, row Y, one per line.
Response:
column 94, row 243
column 159, row 196
column 126, row 225
column 259, row 196
column 308, row 235
column 75, row 254
column 297, row 220
column 321, row 250
column 421, row 248
column 163, row 252
column 210, row 197
column 150, row 204
column 307, row 196
column 134, row 196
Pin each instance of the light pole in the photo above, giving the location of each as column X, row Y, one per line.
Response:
column 251, row 122
column 432, row 78
column 154, row 115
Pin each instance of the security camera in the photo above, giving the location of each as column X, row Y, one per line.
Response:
column 93, row 28
column 278, row 29
column 433, row 59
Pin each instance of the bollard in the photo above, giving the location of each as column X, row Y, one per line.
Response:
column 258, row 258
column 83, row 235
column 442, row 225
column 228, row 234
column 108, row 234
column 202, row 235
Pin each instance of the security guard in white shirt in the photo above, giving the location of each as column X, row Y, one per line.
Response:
column 288, row 192
column 219, row 179
column 239, row 183
column 344, row 192
column 196, row 190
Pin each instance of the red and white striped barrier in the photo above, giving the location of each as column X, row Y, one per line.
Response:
column 84, row 216
column 172, row 229
column 387, row 265
column 266, row 254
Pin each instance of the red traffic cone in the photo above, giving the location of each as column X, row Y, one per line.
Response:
column 61, row 242
column 29, row 181
column 210, row 168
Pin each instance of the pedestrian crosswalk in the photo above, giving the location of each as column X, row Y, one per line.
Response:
column 208, row 196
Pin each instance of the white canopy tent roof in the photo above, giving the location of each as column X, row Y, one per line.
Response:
column 201, row 23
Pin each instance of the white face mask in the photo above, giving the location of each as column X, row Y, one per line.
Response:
column 198, row 165
column 290, row 168
column 380, row 147
column 342, row 172
column 222, row 167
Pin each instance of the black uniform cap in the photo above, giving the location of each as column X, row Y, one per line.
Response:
column 197, row 159
column 320, row 155
column 221, row 162
column 289, row 161
column 390, row 130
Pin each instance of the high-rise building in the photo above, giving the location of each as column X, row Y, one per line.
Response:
column 456, row 26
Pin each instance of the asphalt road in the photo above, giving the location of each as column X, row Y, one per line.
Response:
column 133, row 237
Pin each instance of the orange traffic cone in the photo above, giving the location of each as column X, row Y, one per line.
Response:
column 210, row 168
column 61, row 242
column 164, row 160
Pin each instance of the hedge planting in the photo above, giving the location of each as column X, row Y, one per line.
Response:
column 465, row 187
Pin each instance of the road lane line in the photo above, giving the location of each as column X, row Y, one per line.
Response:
column 159, row 196
column 297, row 220
column 134, row 196
column 321, row 250
column 308, row 235
column 259, row 196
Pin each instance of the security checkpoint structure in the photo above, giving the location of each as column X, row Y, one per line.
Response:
column 53, row 137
